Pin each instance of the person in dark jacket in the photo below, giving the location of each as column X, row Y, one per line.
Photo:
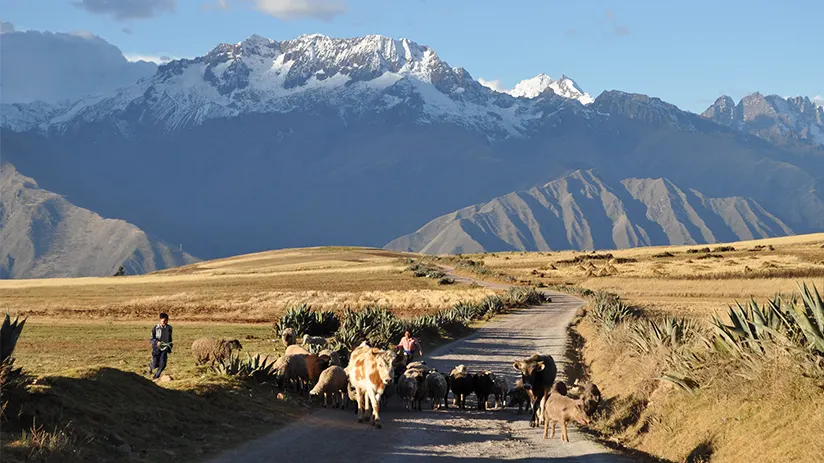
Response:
column 161, row 340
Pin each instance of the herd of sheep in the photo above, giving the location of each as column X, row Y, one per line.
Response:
column 369, row 376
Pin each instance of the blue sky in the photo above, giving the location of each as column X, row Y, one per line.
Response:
column 687, row 53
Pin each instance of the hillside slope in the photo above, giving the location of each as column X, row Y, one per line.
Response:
column 582, row 211
column 43, row 235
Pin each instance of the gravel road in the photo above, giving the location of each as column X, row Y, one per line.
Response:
column 469, row 435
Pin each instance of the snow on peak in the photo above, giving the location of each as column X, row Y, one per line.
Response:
column 531, row 88
column 565, row 87
column 260, row 75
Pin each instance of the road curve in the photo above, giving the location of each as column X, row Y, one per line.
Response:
column 469, row 435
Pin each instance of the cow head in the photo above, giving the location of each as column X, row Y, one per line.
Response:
column 384, row 362
column 529, row 367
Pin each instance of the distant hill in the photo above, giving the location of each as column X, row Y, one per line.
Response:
column 43, row 235
column 582, row 211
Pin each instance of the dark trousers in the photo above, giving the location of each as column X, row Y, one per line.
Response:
column 158, row 361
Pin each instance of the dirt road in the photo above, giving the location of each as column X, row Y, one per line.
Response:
column 469, row 435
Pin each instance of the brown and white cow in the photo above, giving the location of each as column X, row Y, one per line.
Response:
column 370, row 371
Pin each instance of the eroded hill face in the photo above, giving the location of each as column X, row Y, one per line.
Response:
column 582, row 211
column 42, row 235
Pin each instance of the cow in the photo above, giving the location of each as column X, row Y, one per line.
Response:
column 483, row 384
column 539, row 373
column 460, row 381
column 370, row 372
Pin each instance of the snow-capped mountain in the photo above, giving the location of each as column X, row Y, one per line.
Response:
column 259, row 75
column 771, row 117
column 322, row 141
column 536, row 86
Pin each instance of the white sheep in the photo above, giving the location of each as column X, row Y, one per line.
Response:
column 291, row 368
column 332, row 382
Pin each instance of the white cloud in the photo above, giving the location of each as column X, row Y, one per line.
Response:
column 6, row 27
column 299, row 9
column 493, row 84
column 819, row 100
column 157, row 59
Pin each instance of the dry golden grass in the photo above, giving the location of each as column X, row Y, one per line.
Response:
column 250, row 288
column 684, row 283
column 774, row 414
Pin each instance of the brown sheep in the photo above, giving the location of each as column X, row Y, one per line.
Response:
column 315, row 364
column 214, row 350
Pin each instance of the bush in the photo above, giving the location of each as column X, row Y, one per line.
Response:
column 785, row 323
column 304, row 320
column 608, row 311
column 12, row 380
column 256, row 368
column 519, row 296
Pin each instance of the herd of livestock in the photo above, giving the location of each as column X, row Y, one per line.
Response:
column 369, row 376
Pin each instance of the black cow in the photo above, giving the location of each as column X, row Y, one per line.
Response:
column 539, row 372
column 483, row 384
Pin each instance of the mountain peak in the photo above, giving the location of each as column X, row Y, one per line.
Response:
column 542, row 83
column 773, row 118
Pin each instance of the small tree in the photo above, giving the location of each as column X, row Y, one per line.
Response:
column 120, row 272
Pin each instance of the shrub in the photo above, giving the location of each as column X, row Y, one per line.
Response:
column 12, row 380
column 608, row 311
column 724, row 249
column 671, row 332
column 663, row 255
column 304, row 320
column 782, row 322
column 519, row 296
column 696, row 251
column 256, row 368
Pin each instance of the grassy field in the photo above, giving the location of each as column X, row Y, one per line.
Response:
column 673, row 279
column 253, row 288
column 86, row 342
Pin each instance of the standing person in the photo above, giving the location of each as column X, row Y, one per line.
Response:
column 408, row 344
column 161, row 340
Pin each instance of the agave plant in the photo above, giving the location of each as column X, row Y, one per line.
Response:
column 258, row 368
column 752, row 326
column 608, row 311
column 9, row 334
column 12, row 379
column 810, row 317
column 667, row 332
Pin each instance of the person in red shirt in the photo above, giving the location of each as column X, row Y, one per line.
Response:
column 408, row 345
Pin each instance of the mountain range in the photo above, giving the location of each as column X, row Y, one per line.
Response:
column 323, row 141
column 582, row 211
column 43, row 235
